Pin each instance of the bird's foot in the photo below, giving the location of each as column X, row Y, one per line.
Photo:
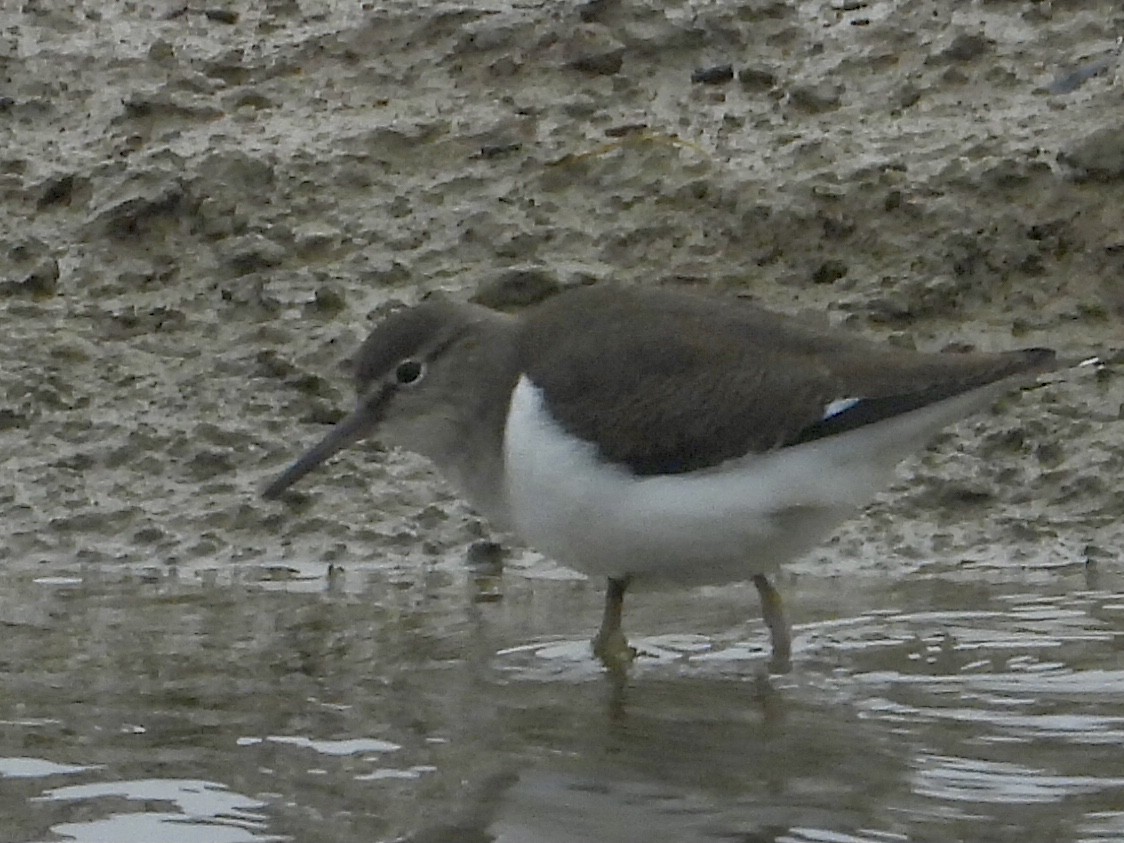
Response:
column 613, row 649
column 779, row 663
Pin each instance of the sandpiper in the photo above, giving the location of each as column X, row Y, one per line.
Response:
column 656, row 436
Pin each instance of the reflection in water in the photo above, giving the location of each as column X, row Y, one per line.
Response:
column 385, row 705
column 36, row 768
column 349, row 746
column 205, row 813
column 548, row 807
column 974, row 780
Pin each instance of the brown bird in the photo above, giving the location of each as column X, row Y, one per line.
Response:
column 650, row 436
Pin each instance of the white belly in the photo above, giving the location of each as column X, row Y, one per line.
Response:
column 724, row 524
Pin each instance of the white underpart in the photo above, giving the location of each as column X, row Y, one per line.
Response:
column 728, row 523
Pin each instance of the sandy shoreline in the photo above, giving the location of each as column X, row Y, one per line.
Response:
column 200, row 217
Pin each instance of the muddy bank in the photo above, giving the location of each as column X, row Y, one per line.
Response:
column 202, row 210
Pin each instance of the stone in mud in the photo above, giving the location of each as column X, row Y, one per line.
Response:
column 252, row 253
column 1099, row 156
column 967, row 46
column 906, row 96
column 40, row 281
column 138, row 205
column 829, row 271
column 716, row 75
column 757, row 78
column 58, row 190
column 817, row 98
column 592, row 49
column 327, row 301
column 518, row 287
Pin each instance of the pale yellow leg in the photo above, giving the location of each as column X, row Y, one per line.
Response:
column 610, row 645
column 772, row 611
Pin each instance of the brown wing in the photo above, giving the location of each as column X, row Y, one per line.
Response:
column 666, row 382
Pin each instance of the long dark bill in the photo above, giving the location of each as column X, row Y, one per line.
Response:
column 348, row 430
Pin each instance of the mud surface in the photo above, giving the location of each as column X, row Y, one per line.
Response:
column 203, row 208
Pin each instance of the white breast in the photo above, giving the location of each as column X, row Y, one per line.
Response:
column 724, row 524
column 743, row 517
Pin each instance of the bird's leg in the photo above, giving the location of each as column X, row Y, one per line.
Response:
column 772, row 610
column 610, row 645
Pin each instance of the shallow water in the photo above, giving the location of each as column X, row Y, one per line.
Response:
column 455, row 705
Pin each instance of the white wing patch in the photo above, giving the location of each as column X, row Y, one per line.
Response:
column 839, row 405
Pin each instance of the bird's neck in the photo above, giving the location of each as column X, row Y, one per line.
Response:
column 475, row 462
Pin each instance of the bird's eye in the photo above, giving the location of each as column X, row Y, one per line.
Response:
column 409, row 372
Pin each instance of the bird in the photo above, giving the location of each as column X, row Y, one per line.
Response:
column 657, row 437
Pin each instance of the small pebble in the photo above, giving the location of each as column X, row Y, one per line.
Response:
column 966, row 47
column 757, row 78
column 221, row 15
column 717, row 75
column 496, row 150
